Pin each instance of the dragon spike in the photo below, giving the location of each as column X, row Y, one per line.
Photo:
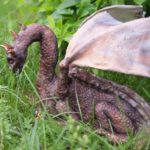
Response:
column 9, row 48
column 14, row 35
column 22, row 26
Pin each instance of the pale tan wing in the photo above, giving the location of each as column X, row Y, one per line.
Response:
column 88, row 33
column 121, row 13
column 104, row 43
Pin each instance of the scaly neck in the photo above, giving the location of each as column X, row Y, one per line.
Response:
column 48, row 56
column 48, row 44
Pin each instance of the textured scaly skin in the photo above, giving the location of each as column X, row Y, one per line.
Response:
column 112, row 107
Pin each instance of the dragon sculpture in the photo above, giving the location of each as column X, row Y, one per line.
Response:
column 114, row 109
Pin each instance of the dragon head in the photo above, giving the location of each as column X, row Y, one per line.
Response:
column 15, row 55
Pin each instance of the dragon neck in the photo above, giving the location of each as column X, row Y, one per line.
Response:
column 48, row 46
column 48, row 57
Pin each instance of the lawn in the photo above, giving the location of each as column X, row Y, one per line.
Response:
column 19, row 129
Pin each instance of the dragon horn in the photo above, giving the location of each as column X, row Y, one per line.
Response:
column 14, row 35
column 22, row 26
column 7, row 47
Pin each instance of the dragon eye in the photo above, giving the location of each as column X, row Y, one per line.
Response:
column 10, row 60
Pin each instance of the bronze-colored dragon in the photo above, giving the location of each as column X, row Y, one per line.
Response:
column 114, row 108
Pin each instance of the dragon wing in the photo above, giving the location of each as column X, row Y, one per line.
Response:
column 111, row 40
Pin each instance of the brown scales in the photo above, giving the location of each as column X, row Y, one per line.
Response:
column 115, row 109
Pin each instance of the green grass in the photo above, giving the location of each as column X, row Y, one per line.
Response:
column 19, row 130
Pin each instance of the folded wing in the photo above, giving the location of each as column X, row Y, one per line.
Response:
column 111, row 40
